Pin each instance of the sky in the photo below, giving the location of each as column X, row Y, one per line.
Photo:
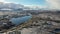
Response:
column 49, row 4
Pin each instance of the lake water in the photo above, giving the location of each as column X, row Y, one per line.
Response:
column 20, row 20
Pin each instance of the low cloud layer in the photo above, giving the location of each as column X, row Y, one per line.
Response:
column 53, row 4
column 2, row 0
column 35, row 6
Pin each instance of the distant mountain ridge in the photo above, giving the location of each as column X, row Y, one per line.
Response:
column 15, row 7
column 9, row 6
column 12, row 6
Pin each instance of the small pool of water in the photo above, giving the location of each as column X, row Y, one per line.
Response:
column 57, row 30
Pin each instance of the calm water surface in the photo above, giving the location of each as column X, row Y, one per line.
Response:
column 19, row 20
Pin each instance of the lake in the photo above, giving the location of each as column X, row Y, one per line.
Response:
column 20, row 20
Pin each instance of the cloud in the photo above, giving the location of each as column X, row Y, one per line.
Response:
column 35, row 6
column 53, row 4
column 2, row 0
